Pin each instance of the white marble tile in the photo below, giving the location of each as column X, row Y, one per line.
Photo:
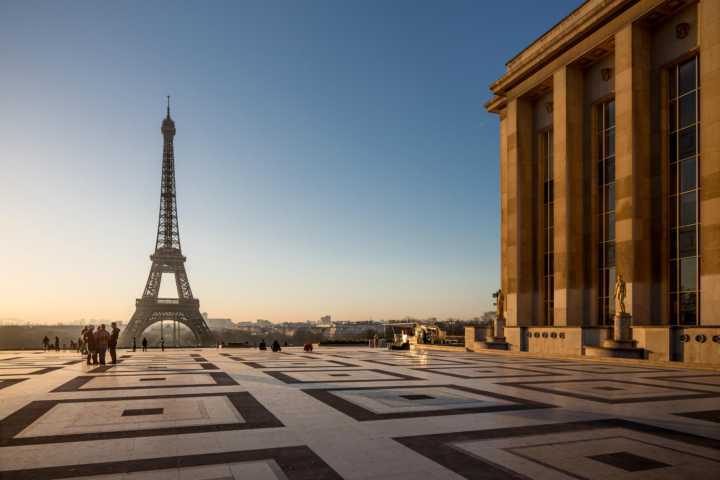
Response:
column 149, row 380
column 109, row 416
column 406, row 399
column 568, row 455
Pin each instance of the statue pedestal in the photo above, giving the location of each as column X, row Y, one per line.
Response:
column 622, row 333
column 621, row 345
column 621, row 327
column 495, row 337
column 499, row 329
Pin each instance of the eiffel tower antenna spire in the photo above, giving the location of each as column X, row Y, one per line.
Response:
column 168, row 106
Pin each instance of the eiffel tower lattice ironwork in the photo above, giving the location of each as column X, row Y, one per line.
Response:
column 168, row 258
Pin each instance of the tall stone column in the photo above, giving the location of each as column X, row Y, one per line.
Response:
column 709, row 40
column 504, row 238
column 568, row 180
column 633, row 233
column 518, row 235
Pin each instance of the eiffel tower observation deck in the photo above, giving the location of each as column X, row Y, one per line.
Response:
column 168, row 258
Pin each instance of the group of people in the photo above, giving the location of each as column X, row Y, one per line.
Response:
column 145, row 344
column 95, row 343
column 48, row 346
column 275, row 345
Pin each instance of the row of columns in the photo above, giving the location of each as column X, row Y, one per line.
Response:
column 634, row 229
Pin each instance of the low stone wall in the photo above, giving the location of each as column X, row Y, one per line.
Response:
column 683, row 345
column 696, row 344
column 555, row 340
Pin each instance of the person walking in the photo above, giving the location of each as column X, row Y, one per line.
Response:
column 112, row 346
column 90, row 345
column 46, row 343
column 162, row 344
column 102, row 340
column 144, row 344
column 134, row 344
column 57, row 344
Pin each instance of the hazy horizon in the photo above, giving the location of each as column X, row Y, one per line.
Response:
column 332, row 158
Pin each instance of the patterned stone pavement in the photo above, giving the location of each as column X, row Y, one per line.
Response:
column 354, row 413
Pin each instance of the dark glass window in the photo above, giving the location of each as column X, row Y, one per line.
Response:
column 688, row 175
column 683, row 188
column 687, row 142
column 688, row 112
column 606, row 206
column 546, row 154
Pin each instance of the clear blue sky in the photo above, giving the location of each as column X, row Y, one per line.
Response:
column 333, row 157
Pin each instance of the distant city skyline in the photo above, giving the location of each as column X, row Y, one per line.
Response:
column 331, row 156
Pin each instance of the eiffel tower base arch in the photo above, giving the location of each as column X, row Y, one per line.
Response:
column 149, row 311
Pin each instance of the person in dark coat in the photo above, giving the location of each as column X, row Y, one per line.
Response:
column 102, row 340
column 144, row 344
column 90, row 343
column 46, row 343
column 276, row 346
column 112, row 345
column 134, row 344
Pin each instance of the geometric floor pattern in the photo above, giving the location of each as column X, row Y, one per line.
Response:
column 354, row 413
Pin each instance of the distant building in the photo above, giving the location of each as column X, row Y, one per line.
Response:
column 218, row 323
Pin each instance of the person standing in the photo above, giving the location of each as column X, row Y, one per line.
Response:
column 81, row 341
column 90, row 345
column 144, row 344
column 134, row 344
column 57, row 344
column 113, row 342
column 162, row 344
column 46, row 343
column 102, row 340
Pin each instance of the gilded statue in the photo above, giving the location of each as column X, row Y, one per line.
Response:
column 619, row 295
column 500, row 303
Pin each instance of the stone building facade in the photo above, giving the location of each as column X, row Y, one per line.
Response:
column 610, row 163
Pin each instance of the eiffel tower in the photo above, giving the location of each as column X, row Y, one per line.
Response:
column 168, row 258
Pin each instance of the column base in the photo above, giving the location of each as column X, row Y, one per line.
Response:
column 616, row 349
column 493, row 343
column 622, row 344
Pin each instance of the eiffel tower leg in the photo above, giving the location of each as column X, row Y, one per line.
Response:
column 182, row 283
column 152, row 287
column 140, row 320
column 195, row 322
